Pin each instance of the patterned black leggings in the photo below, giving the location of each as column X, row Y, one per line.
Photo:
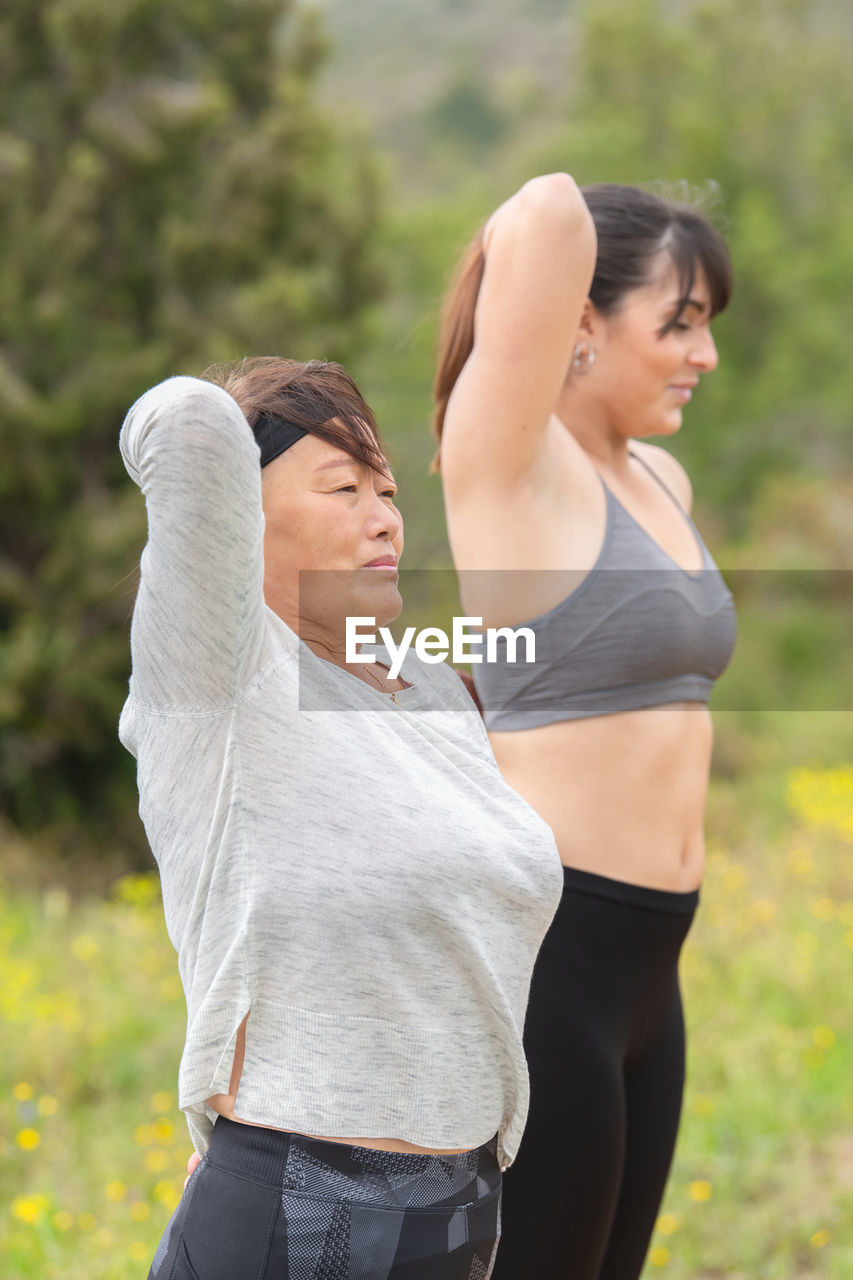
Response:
column 265, row 1205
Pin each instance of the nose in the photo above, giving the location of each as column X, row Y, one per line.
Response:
column 703, row 354
column 384, row 520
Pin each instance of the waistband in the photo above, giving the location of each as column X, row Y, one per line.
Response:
column 271, row 1155
column 630, row 895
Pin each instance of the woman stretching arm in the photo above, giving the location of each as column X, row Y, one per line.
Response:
column 580, row 321
column 355, row 895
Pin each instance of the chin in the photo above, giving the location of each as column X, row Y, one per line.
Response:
column 384, row 603
column 669, row 425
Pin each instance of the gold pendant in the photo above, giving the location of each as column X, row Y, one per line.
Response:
column 395, row 700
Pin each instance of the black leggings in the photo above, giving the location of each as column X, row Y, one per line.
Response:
column 604, row 1038
column 267, row 1205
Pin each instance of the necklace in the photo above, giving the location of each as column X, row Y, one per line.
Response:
column 383, row 686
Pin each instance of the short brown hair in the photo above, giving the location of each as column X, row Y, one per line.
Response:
column 319, row 396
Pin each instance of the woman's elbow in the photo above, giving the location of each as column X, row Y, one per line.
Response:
column 555, row 201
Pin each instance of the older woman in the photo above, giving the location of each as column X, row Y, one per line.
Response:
column 580, row 321
column 355, row 894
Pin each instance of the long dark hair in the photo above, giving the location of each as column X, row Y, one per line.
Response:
column 632, row 227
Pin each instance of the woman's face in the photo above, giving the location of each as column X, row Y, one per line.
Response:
column 644, row 377
column 332, row 539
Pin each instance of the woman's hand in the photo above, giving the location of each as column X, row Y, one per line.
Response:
column 192, row 1164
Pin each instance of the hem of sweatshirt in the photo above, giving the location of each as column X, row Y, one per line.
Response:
column 322, row 1074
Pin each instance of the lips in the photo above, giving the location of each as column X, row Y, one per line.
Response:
column 383, row 562
column 682, row 390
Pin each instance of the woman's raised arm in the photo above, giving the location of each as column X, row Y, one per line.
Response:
column 198, row 620
column 540, row 249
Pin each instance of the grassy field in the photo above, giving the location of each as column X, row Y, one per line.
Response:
column 92, row 1147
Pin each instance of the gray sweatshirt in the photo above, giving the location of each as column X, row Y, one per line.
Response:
column 354, row 874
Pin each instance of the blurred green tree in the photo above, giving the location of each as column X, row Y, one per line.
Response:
column 466, row 114
column 750, row 104
column 758, row 99
column 170, row 194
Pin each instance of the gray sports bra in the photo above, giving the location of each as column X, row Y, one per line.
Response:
column 638, row 631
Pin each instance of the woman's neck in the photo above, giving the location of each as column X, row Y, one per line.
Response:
column 588, row 422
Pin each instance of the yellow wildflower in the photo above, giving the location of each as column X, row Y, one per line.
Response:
column 667, row 1224
column 824, row 1037
column 29, row 1208
column 28, row 1139
column 823, row 798
column 139, row 1211
column 168, row 1194
column 137, row 890
column 700, row 1190
column 115, row 1191
column 48, row 1105
column 63, row 1220
column 22, row 1091
column 659, row 1256
column 820, row 1239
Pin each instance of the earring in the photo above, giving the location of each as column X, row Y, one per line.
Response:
column 583, row 357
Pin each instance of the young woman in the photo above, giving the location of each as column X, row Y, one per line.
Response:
column 578, row 322
column 355, row 894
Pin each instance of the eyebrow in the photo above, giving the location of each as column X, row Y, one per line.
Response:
column 350, row 462
column 340, row 462
column 692, row 302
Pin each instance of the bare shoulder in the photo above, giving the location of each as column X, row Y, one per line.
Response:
column 667, row 469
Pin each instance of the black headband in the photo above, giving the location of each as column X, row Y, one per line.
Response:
column 274, row 436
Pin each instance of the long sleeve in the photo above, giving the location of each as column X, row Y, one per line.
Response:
column 198, row 620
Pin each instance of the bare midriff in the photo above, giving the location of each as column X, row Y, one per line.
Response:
column 223, row 1104
column 624, row 794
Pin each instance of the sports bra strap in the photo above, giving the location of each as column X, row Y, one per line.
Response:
column 655, row 476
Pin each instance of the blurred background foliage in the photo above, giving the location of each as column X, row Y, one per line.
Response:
column 184, row 184
column 170, row 195
column 187, row 183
